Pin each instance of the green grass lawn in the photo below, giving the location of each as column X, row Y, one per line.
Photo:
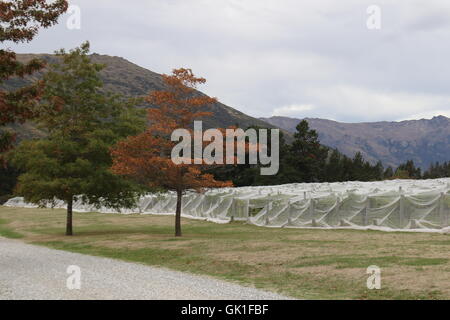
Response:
column 303, row 263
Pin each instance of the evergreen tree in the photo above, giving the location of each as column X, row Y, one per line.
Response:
column 8, row 180
column 358, row 168
column 250, row 174
column 334, row 166
column 378, row 172
column 334, row 169
column 388, row 173
column 306, row 155
column 409, row 169
column 284, row 174
column 437, row 170
column 73, row 162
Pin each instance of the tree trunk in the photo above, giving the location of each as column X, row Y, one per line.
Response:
column 69, row 231
column 178, row 214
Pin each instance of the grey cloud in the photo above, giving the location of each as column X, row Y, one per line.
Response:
column 266, row 56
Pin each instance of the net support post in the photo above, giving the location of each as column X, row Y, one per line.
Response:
column 402, row 209
column 233, row 210
column 247, row 209
column 289, row 219
column 269, row 208
column 442, row 212
column 311, row 208
column 366, row 211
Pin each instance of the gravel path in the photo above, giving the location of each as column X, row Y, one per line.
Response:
column 34, row 272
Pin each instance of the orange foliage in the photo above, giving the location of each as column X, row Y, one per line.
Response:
column 146, row 157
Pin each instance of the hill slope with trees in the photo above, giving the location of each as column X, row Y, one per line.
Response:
column 392, row 143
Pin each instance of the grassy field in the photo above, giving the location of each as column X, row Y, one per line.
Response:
column 311, row 264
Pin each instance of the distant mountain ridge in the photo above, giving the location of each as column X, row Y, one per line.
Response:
column 424, row 141
column 124, row 77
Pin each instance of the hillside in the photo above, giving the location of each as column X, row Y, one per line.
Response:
column 122, row 76
column 424, row 141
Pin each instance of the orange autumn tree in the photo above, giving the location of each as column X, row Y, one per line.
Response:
column 146, row 157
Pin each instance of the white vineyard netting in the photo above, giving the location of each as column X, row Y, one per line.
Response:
column 384, row 205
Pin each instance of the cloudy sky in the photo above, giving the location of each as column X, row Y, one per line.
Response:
column 309, row 58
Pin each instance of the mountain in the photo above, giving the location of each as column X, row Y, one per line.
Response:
column 122, row 76
column 424, row 141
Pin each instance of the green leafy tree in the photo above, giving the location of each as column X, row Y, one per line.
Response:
column 83, row 122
